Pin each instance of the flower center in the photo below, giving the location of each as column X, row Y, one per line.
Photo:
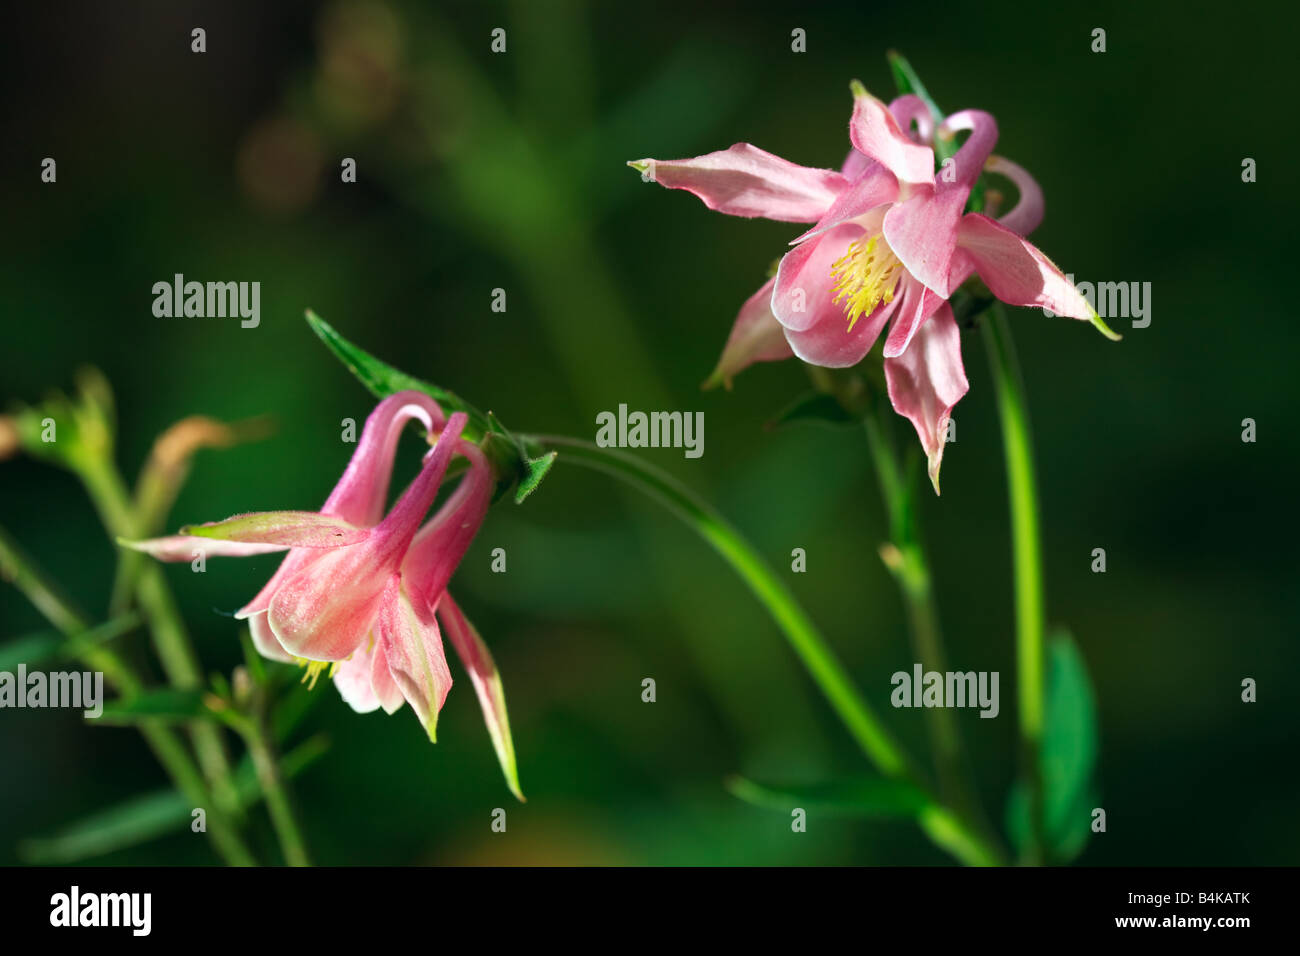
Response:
column 867, row 274
column 314, row 670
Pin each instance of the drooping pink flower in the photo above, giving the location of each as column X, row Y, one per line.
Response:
column 360, row 592
column 890, row 241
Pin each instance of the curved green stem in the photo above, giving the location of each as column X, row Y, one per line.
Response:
column 944, row 826
column 1027, row 559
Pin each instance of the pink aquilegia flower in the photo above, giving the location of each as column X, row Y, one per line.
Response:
column 890, row 242
column 361, row 593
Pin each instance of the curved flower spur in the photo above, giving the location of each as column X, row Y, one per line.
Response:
column 361, row 593
column 890, row 242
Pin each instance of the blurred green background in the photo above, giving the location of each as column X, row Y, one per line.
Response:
column 479, row 171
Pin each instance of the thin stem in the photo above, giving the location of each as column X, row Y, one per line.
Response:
column 292, row 844
column 906, row 559
column 166, row 746
column 945, row 827
column 1027, row 560
column 170, row 638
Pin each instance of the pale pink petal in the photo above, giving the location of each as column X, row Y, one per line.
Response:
column 353, row 682
column 183, row 547
column 477, row 659
column 264, row 639
column 413, row 647
column 876, row 133
column 385, row 688
column 756, row 336
column 832, row 344
column 293, row 562
column 1018, row 273
column 855, row 164
column 922, row 232
column 968, row 162
column 866, row 201
column 747, row 181
column 926, row 381
column 918, row 305
column 801, row 298
column 1027, row 214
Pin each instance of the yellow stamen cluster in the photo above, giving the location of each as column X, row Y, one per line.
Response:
column 313, row 670
column 867, row 276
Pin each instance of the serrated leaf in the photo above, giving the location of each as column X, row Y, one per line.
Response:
column 865, row 796
column 151, row 815
column 816, row 407
column 166, row 704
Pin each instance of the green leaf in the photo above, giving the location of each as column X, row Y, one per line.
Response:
column 166, row 704
column 505, row 450
column 151, row 815
column 1068, row 757
column 865, row 796
column 35, row 649
column 537, row 469
column 817, row 407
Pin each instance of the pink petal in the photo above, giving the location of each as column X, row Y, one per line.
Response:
column 756, row 336
column 353, row 682
column 926, row 381
column 362, row 491
column 181, row 547
column 908, row 109
column 922, row 232
column 1027, row 214
column 1018, row 273
column 855, row 164
column 866, row 200
column 385, row 688
column 441, row 544
column 747, row 181
column 801, row 298
column 264, row 639
column 297, row 529
column 832, row 344
column 325, row 610
column 968, row 162
column 919, row 303
column 477, row 659
column 413, row 647
column 875, row 132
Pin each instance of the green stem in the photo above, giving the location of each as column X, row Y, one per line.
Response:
column 166, row 746
column 910, row 567
column 292, row 844
column 170, row 638
column 945, row 827
column 1027, row 560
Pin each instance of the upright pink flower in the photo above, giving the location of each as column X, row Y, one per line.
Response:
column 890, row 242
column 361, row 592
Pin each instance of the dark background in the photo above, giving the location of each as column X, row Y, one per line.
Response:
column 479, row 171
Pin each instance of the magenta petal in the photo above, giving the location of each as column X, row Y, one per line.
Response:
column 476, row 657
column 832, row 344
column 876, row 133
column 756, row 336
column 802, row 296
column 747, row 181
column 413, row 647
column 1027, row 214
column 1016, row 271
column 926, row 381
column 922, row 232
column 182, row 547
